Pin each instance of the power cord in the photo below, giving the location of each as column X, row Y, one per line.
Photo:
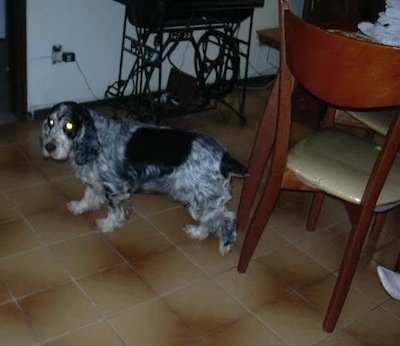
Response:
column 78, row 67
column 85, row 79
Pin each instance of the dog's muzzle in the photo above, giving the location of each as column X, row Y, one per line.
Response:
column 50, row 147
column 55, row 149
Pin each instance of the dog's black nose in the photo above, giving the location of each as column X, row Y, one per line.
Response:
column 50, row 147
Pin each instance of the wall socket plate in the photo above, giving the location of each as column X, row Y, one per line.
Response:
column 56, row 53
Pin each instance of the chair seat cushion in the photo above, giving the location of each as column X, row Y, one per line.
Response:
column 378, row 121
column 340, row 164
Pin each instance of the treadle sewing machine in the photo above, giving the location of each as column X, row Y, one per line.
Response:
column 153, row 29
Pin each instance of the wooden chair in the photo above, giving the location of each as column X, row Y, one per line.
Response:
column 366, row 120
column 372, row 123
column 333, row 14
column 343, row 72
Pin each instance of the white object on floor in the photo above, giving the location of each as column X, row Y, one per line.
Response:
column 390, row 281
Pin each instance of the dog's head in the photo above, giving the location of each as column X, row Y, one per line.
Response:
column 60, row 129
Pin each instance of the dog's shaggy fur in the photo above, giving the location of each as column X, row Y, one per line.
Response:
column 116, row 158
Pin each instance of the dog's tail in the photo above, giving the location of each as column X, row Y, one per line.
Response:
column 229, row 166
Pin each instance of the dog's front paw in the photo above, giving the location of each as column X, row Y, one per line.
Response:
column 104, row 225
column 196, row 232
column 76, row 207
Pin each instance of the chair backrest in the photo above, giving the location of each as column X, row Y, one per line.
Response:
column 339, row 69
column 343, row 72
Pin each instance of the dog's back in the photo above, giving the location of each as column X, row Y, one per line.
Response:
column 168, row 148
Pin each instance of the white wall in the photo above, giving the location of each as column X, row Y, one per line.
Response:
column 93, row 30
column 90, row 28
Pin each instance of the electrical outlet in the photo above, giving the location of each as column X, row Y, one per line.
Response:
column 68, row 56
column 56, row 53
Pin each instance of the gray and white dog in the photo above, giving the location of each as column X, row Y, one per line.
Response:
column 116, row 158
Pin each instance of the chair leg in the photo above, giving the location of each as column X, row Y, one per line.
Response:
column 266, row 204
column 329, row 119
column 259, row 157
column 260, row 218
column 315, row 210
column 377, row 224
column 347, row 269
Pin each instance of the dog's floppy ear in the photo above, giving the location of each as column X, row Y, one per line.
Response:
column 86, row 145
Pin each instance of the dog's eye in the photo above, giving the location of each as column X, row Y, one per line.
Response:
column 50, row 123
column 69, row 126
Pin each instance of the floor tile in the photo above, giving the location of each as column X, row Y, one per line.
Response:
column 115, row 289
column 10, row 156
column 172, row 222
column 290, row 221
column 53, row 170
column 339, row 338
column 293, row 320
column 206, row 255
column 98, row 334
column 365, row 280
column 239, row 146
column 293, row 266
column 14, row 328
column 4, row 293
column 204, row 306
column 333, row 212
column 270, row 240
column 31, row 149
column 32, row 272
column 385, row 328
column 8, row 212
column 21, row 175
column 36, row 198
column 387, row 256
column 149, row 204
column 248, row 331
column 165, row 327
column 16, row 170
column 167, row 270
column 85, row 255
column 58, row 311
column 392, row 306
column 326, row 247
column 70, row 187
column 59, row 224
column 137, row 239
column 319, row 295
column 255, row 288
column 15, row 237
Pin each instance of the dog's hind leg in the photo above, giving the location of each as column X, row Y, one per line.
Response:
column 199, row 232
column 213, row 216
column 92, row 200
column 223, row 224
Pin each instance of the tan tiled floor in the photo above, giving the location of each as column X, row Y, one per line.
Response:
column 63, row 283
